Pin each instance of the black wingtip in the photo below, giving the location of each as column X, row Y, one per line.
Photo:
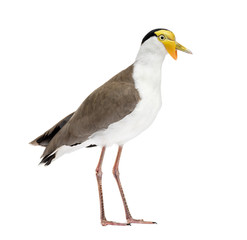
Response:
column 34, row 143
column 91, row 145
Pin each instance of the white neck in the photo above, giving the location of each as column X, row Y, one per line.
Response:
column 152, row 52
column 147, row 67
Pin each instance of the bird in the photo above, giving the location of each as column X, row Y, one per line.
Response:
column 116, row 112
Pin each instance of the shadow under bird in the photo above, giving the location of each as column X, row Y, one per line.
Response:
column 115, row 112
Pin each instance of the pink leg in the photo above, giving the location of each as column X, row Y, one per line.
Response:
column 116, row 175
column 99, row 173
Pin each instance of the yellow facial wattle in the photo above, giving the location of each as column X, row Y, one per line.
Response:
column 169, row 41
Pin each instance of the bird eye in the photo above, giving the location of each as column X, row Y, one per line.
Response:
column 162, row 37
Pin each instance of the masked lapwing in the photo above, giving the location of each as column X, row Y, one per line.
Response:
column 116, row 112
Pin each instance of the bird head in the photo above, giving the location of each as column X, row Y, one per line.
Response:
column 168, row 39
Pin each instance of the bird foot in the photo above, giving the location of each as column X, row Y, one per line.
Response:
column 140, row 221
column 105, row 223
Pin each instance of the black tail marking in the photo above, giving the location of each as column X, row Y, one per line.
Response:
column 48, row 159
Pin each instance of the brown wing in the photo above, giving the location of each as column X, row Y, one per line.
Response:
column 108, row 104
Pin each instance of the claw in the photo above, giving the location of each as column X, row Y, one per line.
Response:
column 105, row 223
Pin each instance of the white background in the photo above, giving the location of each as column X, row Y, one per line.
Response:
column 188, row 171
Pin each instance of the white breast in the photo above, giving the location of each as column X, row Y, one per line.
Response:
column 148, row 84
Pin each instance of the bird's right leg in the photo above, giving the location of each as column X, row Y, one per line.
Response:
column 99, row 173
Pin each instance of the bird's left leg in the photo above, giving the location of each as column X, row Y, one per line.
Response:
column 115, row 172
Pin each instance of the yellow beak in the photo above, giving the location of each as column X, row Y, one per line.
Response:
column 173, row 46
